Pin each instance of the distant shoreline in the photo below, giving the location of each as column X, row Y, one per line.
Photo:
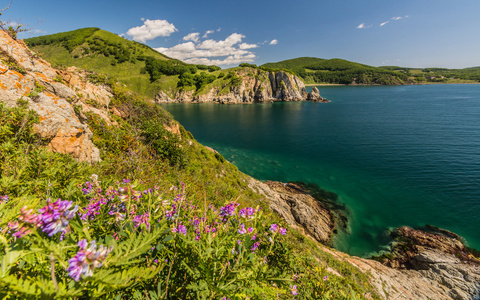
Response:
column 426, row 83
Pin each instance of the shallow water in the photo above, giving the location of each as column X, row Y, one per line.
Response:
column 401, row 155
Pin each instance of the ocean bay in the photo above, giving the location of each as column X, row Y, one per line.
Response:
column 395, row 155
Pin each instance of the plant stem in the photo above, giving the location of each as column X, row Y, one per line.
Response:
column 52, row 270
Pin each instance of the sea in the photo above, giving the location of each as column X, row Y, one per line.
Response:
column 394, row 155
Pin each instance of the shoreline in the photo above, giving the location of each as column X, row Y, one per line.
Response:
column 426, row 83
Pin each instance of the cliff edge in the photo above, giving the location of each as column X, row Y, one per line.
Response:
column 251, row 85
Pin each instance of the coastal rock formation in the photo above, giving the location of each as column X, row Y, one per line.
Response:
column 297, row 207
column 437, row 258
column 314, row 96
column 254, row 85
column 425, row 265
column 53, row 95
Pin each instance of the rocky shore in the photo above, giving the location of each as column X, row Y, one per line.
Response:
column 255, row 86
column 423, row 264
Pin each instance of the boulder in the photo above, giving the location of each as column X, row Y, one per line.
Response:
column 314, row 95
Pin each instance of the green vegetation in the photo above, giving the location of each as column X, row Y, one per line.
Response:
column 439, row 75
column 339, row 71
column 174, row 181
column 101, row 52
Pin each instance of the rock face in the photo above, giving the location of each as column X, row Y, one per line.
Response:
column 255, row 86
column 426, row 265
column 314, row 96
column 447, row 269
column 298, row 208
column 53, row 94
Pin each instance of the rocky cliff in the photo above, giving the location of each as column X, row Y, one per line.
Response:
column 253, row 85
column 59, row 97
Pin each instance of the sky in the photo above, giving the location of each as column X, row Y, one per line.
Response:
column 408, row 33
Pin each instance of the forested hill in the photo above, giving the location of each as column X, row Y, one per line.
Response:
column 318, row 70
column 339, row 71
column 106, row 53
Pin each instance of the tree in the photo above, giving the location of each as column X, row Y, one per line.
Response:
column 12, row 31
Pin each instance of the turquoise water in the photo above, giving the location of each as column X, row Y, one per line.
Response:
column 401, row 155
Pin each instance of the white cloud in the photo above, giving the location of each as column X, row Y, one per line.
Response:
column 274, row 42
column 363, row 26
column 208, row 32
column 244, row 46
column 396, row 18
column 194, row 36
column 210, row 52
column 151, row 29
column 384, row 23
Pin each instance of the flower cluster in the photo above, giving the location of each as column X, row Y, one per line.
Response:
column 52, row 219
column 229, row 209
column 87, row 259
column 142, row 219
column 4, row 199
column 275, row 228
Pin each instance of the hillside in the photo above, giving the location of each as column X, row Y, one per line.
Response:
column 439, row 75
column 104, row 195
column 339, row 71
column 153, row 75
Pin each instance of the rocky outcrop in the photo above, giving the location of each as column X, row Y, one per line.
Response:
column 254, row 85
column 424, row 265
column 297, row 207
column 162, row 97
column 314, row 96
column 437, row 259
column 59, row 98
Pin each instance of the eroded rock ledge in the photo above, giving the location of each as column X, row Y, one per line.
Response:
column 298, row 208
column 254, row 86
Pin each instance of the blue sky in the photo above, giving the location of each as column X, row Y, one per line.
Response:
column 415, row 33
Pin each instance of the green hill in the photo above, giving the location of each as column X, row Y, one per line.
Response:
column 104, row 52
column 339, row 71
column 467, row 75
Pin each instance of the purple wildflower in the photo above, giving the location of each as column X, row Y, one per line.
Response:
column 254, row 237
column 247, row 212
column 242, row 229
column 255, row 246
column 274, row 228
column 250, row 229
column 4, row 199
column 54, row 217
column 229, row 209
column 293, row 289
column 182, row 229
column 87, row 259
column 283, row 231
column 138, row 220
column 325, row 278
column 156, row 260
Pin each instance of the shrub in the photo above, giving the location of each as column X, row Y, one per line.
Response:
column 117, row 241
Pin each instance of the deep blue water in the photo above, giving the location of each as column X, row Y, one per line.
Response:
column 400, row 155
